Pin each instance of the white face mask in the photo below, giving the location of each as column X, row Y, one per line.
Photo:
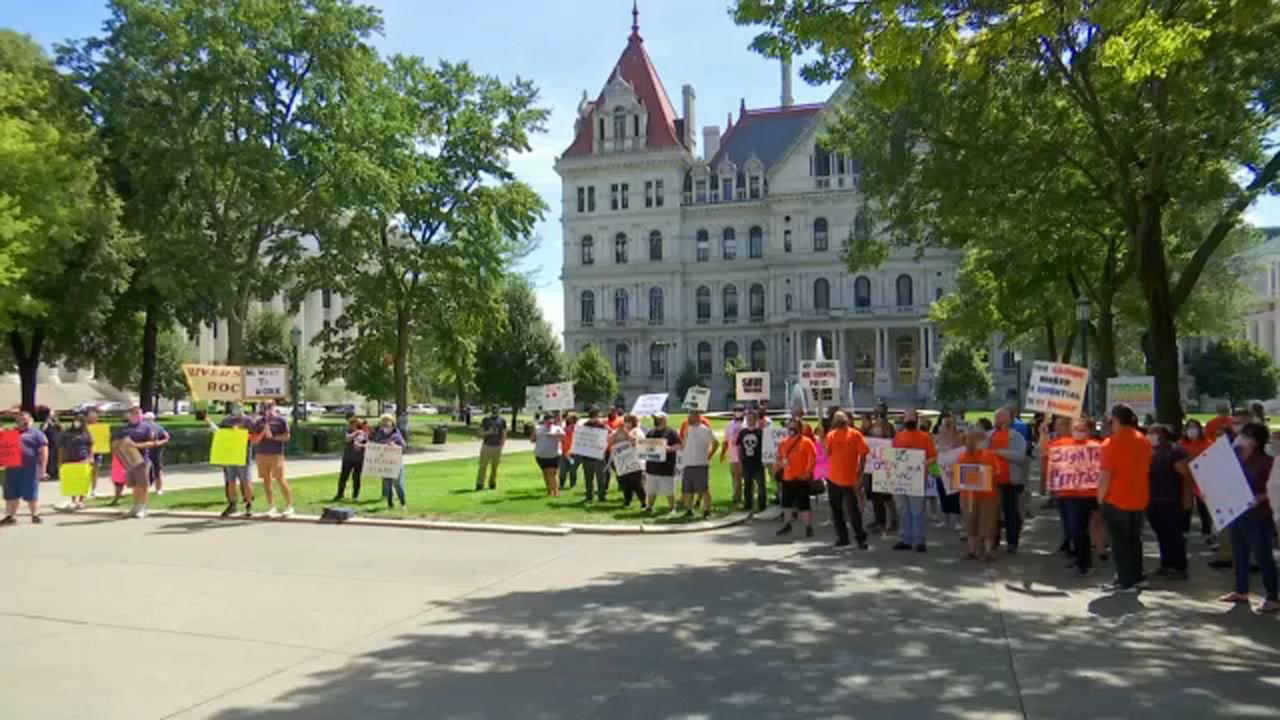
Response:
column 1271, row 449
column 1193, row 433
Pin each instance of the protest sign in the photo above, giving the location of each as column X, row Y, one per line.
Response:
column 876, row 463
column 266, row 382
column 649, row 405
column 215, row 382
column 971, row 477
column 557, row 396
column 653, row 450
column 626, row 459
column 697, row 398
column 75, row 479
column 10, row 448
column 1057, row 388
column 1138, row 392
column 101, row 434
column 1073, row 467
column 821, row 378
column 230, row 446
column 533, row 397
column 589, row 442
column 383, row 460
column 1223, row 485
column 773, row 439
column 903, row 473
column 753, row 386
column 947, row 460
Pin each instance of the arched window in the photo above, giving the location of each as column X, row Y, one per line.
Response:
column 622, row 359
column 729, row 244
column 703, row 303
column 703, row 246
column 759, row 356
column 789, row 304
column 655, row 305
column 755, row 301
column 704, row 358
column 937, row 293
column 822, row 294
column 655, row 246
column 730, row 302
column 657, row 360
column 730, row 351
column 621, row 305
column 620, row 248
column 619, row 123
column 755, row 243
column 862, row 292
column 904, row 290
column 820, row 235
column 588, row 250
column 588, row 304
column 861, row 226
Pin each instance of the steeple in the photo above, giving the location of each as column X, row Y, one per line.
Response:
column 635, row 18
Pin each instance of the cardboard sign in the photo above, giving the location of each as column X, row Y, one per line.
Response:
column 75, row 479
column 557, row 396
column 533, row 397
column 383, row 460
column 652, row 450
column 215, row 382
column 972, row 478
column 697, row 398
column 946, row 461
column 10, row 448
column 230, row 446
column 649, row 405
column 266, row 382
column 904, row 472
column 1223, row 485
column 626, row 459
column 820, row 374
column 876, row 464
column 590, row 442
column 1057, row 388
column 1074, row 467
column 1138, row 392
column 774, row 436
column 753, row 386
column 101, row 434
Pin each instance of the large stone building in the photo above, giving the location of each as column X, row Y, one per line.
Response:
column 686, row 247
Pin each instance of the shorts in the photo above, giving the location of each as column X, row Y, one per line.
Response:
column 695, row 479
column 795, row 495
column 271, row 467
column 655, row 485
column 236, row 473
column 139, row 475
column 548, row 463
column 21, row 484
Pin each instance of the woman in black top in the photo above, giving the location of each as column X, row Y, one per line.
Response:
column 1170, row 498
column 352, row 458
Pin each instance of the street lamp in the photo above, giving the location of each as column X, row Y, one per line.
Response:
column 1017, row 386
column 1084, row 311
column 295, row 340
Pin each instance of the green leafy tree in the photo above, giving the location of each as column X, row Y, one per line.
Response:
column 1236, row 370
column 521, row 350
column 732, row 367
column 594, row 382
column 962, row 375
column 63, row 257
column 266, row 339
column 687, row 378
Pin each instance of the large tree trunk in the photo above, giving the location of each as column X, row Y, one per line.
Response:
column 1153, row 273
column 402, row 370
column 1050, row 338
column 236, row 321
column 28, row 361
column 150, row 341
column 1104, row 341
column 1070, row 345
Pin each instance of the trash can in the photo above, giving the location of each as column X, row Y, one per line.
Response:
column 320, row 443
column 439, row 435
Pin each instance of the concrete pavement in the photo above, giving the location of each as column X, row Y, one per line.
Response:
column 167, row 618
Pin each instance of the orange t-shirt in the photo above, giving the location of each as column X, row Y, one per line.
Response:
column 566, row 442
column 1127, row 456
column 1194, row 448
column 1060, row 442
column 916, row 440
column 1000, row 441
column 845, row 450
column 1216, row 423
column 981, row 457
column 801, row 455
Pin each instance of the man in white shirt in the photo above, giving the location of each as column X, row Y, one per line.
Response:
column 730, row 446
column 700, row 445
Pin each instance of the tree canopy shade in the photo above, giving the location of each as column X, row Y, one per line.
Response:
column 1236, row 370
column 594, row 382
column 687, row 378
column 63, row 257
column 962, row 376
column 519, row 350
column 1129, row 112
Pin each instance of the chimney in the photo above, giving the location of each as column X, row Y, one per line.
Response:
column 710, row 142
column 690, row 120
column 787, row 98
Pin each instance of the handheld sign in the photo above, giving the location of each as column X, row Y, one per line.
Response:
column 821, row 378
column 557, row 396
column 266, row 382
column 229, row 447
column 946, row 461
column 626, row 459
column 215, row 382
column 653, row 450
column 697, row 398
column 533, row 397
column 876, row 465
column 101, row 434
column 383, row 460
column 1222, row 483
column 904, row 472
column 774, row 436
column 1074, row 467
column 753, row 386
column 972, row 478
column 1138, row 392
column 590, row 442
column 10, row 448
column 648, row 405
column 75, row 479
column 1057, row 388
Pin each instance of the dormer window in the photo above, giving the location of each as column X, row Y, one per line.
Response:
column 619, row 123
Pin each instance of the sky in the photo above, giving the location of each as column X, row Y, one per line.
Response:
column 565, row 47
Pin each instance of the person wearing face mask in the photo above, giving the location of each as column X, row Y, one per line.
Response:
column 911, row 507
column 1124, row 491
column 750, row 441
column 272, row 433
column 1011, row 451
column 1253, row 533
column 660, row 476
column 730, row 448
column 1170, row 496
column 238, row 477
column 1077, row 506
column 1057, row 428
column 631, row 484
column 388, row 434
column 847, row 451
column 1219, row 422
column 353, row 458
column 797, row 457
column 1193, row 443
column 22, row 483
column 981, row 508
column 129, row 444
column 885, row 515
column 76, row 447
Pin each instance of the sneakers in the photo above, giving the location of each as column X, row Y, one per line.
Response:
column 862, row 545
column 77, row 505
column 1234, row 598
column 1084, row 573
column 784, row 530
column 37, row 520
column 248, row 510
column 160, row 492
column 922, row 548
column 901, row 546
column 272, row 513
column 1268, row 607
column 229, row 511
column 137, row 512
column 1116, row 588
column 842, row 542
column 288, row 512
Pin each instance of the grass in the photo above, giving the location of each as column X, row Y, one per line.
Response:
column 446, row 491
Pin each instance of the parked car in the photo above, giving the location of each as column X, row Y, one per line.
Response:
column 113, row 408
column 423, row 409
column 313, row 408
column 343, row 409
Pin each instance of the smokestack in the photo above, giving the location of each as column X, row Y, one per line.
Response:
column 710, row 142
column 690, row 119
column 787, row 98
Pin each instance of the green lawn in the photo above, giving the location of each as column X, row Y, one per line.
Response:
column 445, row 491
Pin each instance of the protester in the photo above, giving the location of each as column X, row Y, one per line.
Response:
column 156, row 454
column 91, row 418
column 549, row 452
column 1124, row 491
column 631, row 484
column 911, row 507
column 981, row 507
column 493, row 435
column 700, row 445
column 612, row 422
column 388, row 434
column 272, row 432
column 730, row 448
column 1075, row 506
column 1253, row 533
column 76, row 446
column 1218, row 423
column 1224, row 557
column 238, row 476
column 593, row 475
column 750, row 441
column 22, row 483
column 568, row 464
column 135, row 436
column 1194, row 442
column 660, row 476
column 948, row 437
column 1258, row 414
column 882, row 504
column 797, row 457
column 1050, row 431
column 1010, row 449
column 47, row 421
column 353, row 443
column 847, row 453
column 1170, row 497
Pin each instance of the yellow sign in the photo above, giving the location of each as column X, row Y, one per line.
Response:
column 75, row 478
column 230, row 447
column 215, row 382
column 101, row 434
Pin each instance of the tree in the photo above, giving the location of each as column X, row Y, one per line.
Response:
column 266, row 339
column 962, row 375
column 1117, row 90
column 1236, row 370
column 520, row 350
column 732, row 367
column 63, row 257
column 687, row 378
column 594, row 382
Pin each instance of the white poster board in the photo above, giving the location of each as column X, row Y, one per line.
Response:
column 903, row 473
column 653, row 450
column 1057, row 388
column 1222, row 483
column 266, row 382
column 1136, row 391
column 753, row 386
column 557, row 396
column 590, row 442
column 774, row 436
column 649, row 405
column 626, row 459
column 382, row 460
column 876, row 465
column 697, row 398
column 533, row 397
column 822, row 379
column 945, row 462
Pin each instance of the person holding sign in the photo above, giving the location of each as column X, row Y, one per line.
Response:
column 750, row 448
column 22, row 483
column 77, row 448
column 847, row 451
column 237, row 477
column 1079, row 503
column 730, row 448
column 911, row 507
column 353, row 443
column 1010, row 448
column 1253, row 533
column 661, row 476
column 101, row 445
column 134, row 437
column 629, row 436
column 1124, row 490
column 388, row 434
column 700, row 445
column 1194, row 442
column 272, row 432
column 1170, row 498
column 593, row 468
column 981, row 507
column 547, row 450
column 797, row 457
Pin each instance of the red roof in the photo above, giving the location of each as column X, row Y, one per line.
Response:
column 637, row 69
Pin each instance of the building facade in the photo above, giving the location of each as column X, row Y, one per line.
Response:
column 686, row 247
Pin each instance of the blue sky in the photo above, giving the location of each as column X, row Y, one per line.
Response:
column 566, row 47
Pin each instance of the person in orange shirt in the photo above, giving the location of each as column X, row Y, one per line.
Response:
column 797, row 457
column 846, row 452
column 1195, row 441
column 568, row 463
column 1124, row 490
column 981, row 508
column 1010, row 449
column 1218, row 423
column 1078, row 503
column 911, row 507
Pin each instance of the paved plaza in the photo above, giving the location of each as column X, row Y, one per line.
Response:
column 174, row 618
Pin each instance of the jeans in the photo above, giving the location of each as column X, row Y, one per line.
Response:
column 569, row 470
column 842, row 498
column 1166, row 517
column 397, row 484
column 1125, row 529
column 1077, row 513
column 1254, row 534
column 1012, row 516
column 593, row 476
column 490, row 456
column 351, row 467
column 910, row 518
column 754, row 477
